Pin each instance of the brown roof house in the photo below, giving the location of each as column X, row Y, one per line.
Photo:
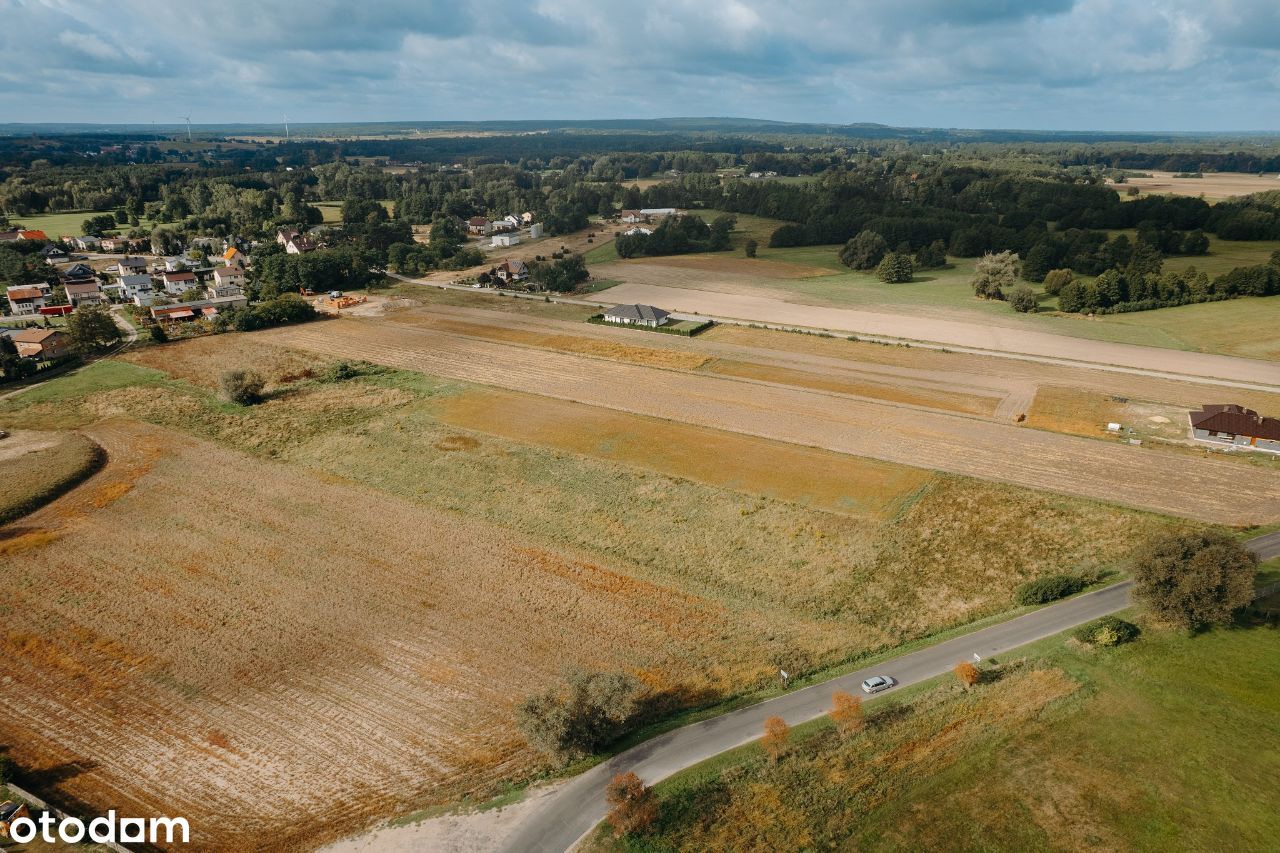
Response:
column 1235, row 426
column 42, row 343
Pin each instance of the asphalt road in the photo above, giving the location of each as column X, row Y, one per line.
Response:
column 580, row 804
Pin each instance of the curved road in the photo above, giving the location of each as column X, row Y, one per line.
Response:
column 577, row 807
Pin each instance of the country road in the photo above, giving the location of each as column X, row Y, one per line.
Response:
column 568, row 814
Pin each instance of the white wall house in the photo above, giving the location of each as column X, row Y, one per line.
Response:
column 636, row 315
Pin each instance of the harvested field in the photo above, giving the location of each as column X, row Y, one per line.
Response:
column 1206, row 489
column 726, row 262
column 1074, row 411
column 201, row 361
column 1213, row 185
column 36, row 467
column 276, row 653
column 814, row 478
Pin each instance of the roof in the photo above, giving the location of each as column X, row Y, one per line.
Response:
column 646, row 313
column 34, row 336
column 230, row 253
column 16, row 293
column 52, row 249
column 224, row 272
column 302, row 244
column 477, row 220
column 515, row 266
column 172, row 312
column 288, row 233
column 1236, row 420
column 133, row 262
column 82, row 287
column 184, row 275
column 32, row 235
column 78, row 271
column 631, row 213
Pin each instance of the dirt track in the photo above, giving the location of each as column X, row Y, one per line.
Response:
column 1204, row 488
column 765, row 309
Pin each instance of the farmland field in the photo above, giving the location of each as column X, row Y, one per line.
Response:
column 1068, row 749
column 1214, row 186
column 358, row 579
column 37, row 466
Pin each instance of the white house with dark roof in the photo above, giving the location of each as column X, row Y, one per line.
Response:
column 636, row 315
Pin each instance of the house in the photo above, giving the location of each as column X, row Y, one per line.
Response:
column 512, row 220
column 54, row 254
column 42, row 343
column 84, row 293
column 300, row 245
column 131, row 285
column 478, row 225
column 233, row 257
column 500, row 226
column 78, row 273
column 631, row 217
column 636, row 315
column 176, row 283
column 284, row 235
column 27, row 300
column 131, row 266
column 10, row 812
column 1236, row 426
column 511, row 271
column 10, row 235
column 526, row 218
column 504, row 239
column 32, row 235
column 535, row 231
column 87, row 243
column 227, row 281
column 177, row 263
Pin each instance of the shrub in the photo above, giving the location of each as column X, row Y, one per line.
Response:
column 633, row 808
column 846, row 712
column 1055, row 280
column 1049, row 588
column 776, row 736
column 750, row 248
column 895, row 268
column 1023, row 299
column 1194, row 578
column 967, row 674
column 242, row 386
column 1107, row 631
column 588, row 711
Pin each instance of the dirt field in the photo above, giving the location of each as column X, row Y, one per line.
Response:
column 292, row 642
column 1208, row 489
column 36, row 465
column 1214, row 185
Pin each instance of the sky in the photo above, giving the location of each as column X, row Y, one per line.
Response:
column 1195, row 65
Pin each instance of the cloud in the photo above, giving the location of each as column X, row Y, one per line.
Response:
column 1098, row 64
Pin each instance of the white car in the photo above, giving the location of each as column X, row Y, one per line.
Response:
column 876, row 683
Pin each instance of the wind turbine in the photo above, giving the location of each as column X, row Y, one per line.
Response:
column 188, row 120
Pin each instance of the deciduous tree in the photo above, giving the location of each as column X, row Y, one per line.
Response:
column 864, row 251
column 1193, row 579
column 846, row 712
column 633, row 808
column 992, row 273
column 777, row 734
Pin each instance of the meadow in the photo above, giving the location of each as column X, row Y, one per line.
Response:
column 68, row 223
column 1064, row 748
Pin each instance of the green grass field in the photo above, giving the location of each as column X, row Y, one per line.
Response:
column 1121, row 749
column 70, row 223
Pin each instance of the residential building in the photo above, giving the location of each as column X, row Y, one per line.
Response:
column 87, row 243
column 511, row 271
column 131, row 266
column 42, row 343
column 32, row 235
column 300, row 245
column 132, row 285
column 10, row 235
column 636, row 315
column 84, row 293
column 26, row 300
column 78, row 273
column 478, row 225
column 284, row 235
column 176, row 283
column 233, row 257
column 1235, row 426
column 631, row 217
column 54, row 254
column 227, row 281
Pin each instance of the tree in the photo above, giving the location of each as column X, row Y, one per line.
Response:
column 1072, row 297
column 967, row 674
column 1023, row 299
column 1195, row 243
column 633, row 808
column 159, row 335
column 846, row 712
column 1040, row 260
column 99, row 225
column 91, row 328
column 992, row 273
column 864, row 251
column 242, row 386
column 1194, row 578
column 776, row 736
column 1055, row 280
column 589, row 710
column 750, row 248
column 895, row 268
column 932, row 256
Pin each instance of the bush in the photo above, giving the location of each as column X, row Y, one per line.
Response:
column 633, row 807
column 967, row 674
column 1194, row 578
column 589, row 711
column 1023, row 299
column 895, row 268
column 750, row 248
column 242, row 386
column 1107, row 631
column 777, row 734
column 1055, row 280
column 1050, row 588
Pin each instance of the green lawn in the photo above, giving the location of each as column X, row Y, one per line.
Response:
column 1121, row 749
column 70, row 223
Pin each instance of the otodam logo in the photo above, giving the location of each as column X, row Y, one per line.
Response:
column 101, row 830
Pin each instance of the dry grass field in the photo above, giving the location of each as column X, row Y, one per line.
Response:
column 1213, row 185
column 1204, row 488
column 35, row 467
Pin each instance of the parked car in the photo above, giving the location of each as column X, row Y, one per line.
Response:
column 876, row 683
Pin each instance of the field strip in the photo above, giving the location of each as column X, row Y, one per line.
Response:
column 1203, row 488
column 984, row 337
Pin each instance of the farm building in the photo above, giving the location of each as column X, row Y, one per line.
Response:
column 650, row 212
column 41, row 343
column 636, row 315
column 197, row 308
column 631, row 217
column 1237, row 426
column 25, row 301
column 505, row 239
